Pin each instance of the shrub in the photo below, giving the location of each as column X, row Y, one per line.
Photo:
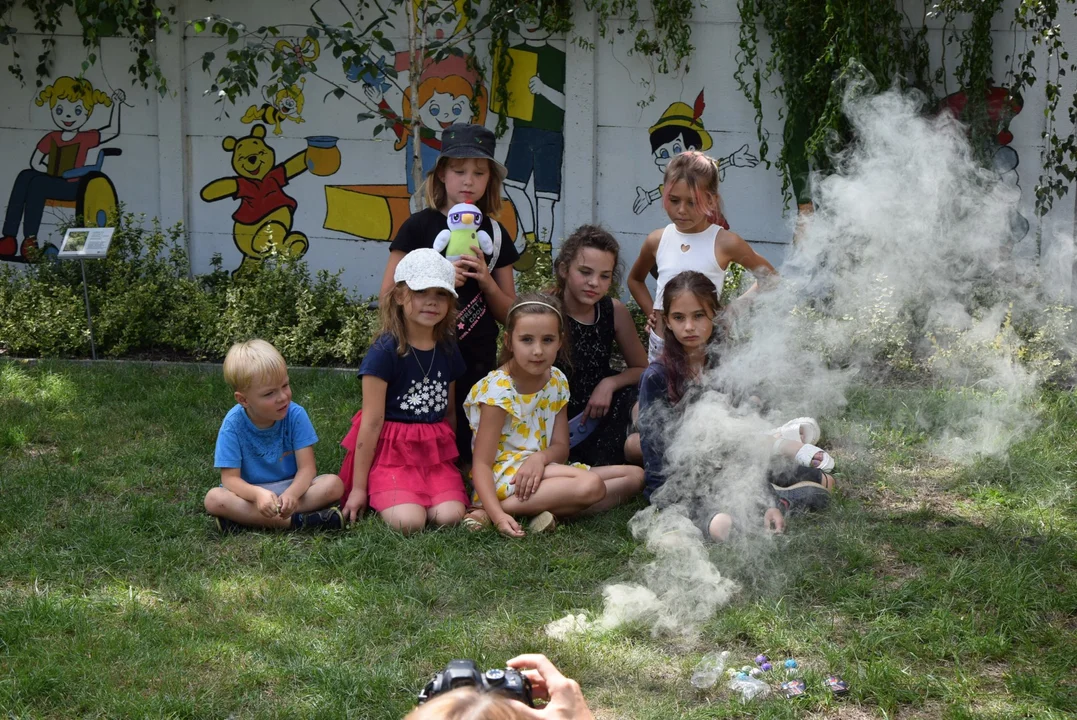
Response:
column 145, row 302
column 39, row 318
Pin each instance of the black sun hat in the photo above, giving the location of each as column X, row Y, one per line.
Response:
column 470, row 141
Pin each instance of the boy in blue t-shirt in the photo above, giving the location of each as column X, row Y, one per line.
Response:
column 265, row 451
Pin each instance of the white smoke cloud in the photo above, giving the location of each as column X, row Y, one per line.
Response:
column 905, row 268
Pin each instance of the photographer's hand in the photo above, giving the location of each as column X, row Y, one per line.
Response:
column 565, row 697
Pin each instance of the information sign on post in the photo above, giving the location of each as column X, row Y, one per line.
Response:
column 86, row 244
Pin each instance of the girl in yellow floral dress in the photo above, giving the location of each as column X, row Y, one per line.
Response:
column 519, row 417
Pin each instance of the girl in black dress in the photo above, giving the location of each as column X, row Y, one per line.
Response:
column 601, row 405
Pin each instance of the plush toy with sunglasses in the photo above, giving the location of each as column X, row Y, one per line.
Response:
column 463, row 232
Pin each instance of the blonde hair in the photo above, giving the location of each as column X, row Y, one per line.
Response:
column 700, row 174
column 437, row 197
column 467, row 704
column 252, row 361
column 74, row 89
column 391, row 312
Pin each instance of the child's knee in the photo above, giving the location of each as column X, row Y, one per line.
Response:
column 592, row 488
column 720, row 526
column 635, row 477
column 404, row 521
column 332, row 485
column 216, row 500
column 447, row 513
column 405, row 526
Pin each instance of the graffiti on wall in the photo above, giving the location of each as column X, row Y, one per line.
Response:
column 680, row 128
column 262, row 224
column 60, row 173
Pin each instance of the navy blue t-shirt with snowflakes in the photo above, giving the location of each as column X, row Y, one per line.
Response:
column 418, row 382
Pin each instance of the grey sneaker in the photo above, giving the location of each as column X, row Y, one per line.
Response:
column 328, row 519
column 802, row 496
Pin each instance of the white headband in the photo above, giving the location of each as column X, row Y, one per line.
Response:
column 537, row 302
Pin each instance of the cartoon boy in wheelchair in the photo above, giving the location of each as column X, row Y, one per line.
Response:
column 58, row 174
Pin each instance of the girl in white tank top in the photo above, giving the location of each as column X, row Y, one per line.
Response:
column 692, row 241
column 679, row 251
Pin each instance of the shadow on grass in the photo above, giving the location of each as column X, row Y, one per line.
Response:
column 116, row 599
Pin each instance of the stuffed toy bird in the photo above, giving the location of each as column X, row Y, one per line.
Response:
column 463, row 232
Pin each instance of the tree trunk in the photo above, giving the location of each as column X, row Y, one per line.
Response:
column 416, row 53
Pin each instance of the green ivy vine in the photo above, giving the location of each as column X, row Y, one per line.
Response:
column 817, row 46
column 1059, row 157
column 662, row 36
column 137, row 20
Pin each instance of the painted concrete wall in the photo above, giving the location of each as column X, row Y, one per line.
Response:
column 175, row 165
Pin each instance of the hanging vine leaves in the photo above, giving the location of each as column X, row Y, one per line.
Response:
column 1059, row 155
column 138, row 20
column 663, row 39
column 816, row 48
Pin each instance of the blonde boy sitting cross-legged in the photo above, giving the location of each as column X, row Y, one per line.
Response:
column 265, row 451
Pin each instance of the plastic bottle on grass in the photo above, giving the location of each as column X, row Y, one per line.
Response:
column 709, row 668
column 749, row 688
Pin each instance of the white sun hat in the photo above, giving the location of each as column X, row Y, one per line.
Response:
column 426, row 268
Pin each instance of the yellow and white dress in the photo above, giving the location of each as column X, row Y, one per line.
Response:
column 528, row 423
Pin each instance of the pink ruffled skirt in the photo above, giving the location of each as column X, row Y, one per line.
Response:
column 414, row 463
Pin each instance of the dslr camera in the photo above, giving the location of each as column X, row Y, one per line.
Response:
column 464, row 673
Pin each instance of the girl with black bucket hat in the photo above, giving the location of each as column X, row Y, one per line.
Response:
column 466, row 172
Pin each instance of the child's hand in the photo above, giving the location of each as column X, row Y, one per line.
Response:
column 475, row 267
column 461, row 273
column 507, row 526
column 268, row 504
column 356, row 505
column 601, row 399
column 288, row 505
column 528, row 477
column 652, row 320
column 773, row 521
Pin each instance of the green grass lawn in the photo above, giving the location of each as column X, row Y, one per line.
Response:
column 935, row 591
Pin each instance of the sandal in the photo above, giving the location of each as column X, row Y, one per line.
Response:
column 544, row 522
column 806, row 457
column 476, row 520
column 802, row 429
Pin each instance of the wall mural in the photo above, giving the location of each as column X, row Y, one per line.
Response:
column 263, row 221
column 680, row 128
column 447, row 93
column 1004, row 159
column 536, row 152
column 59, row 175
column 286, row 103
